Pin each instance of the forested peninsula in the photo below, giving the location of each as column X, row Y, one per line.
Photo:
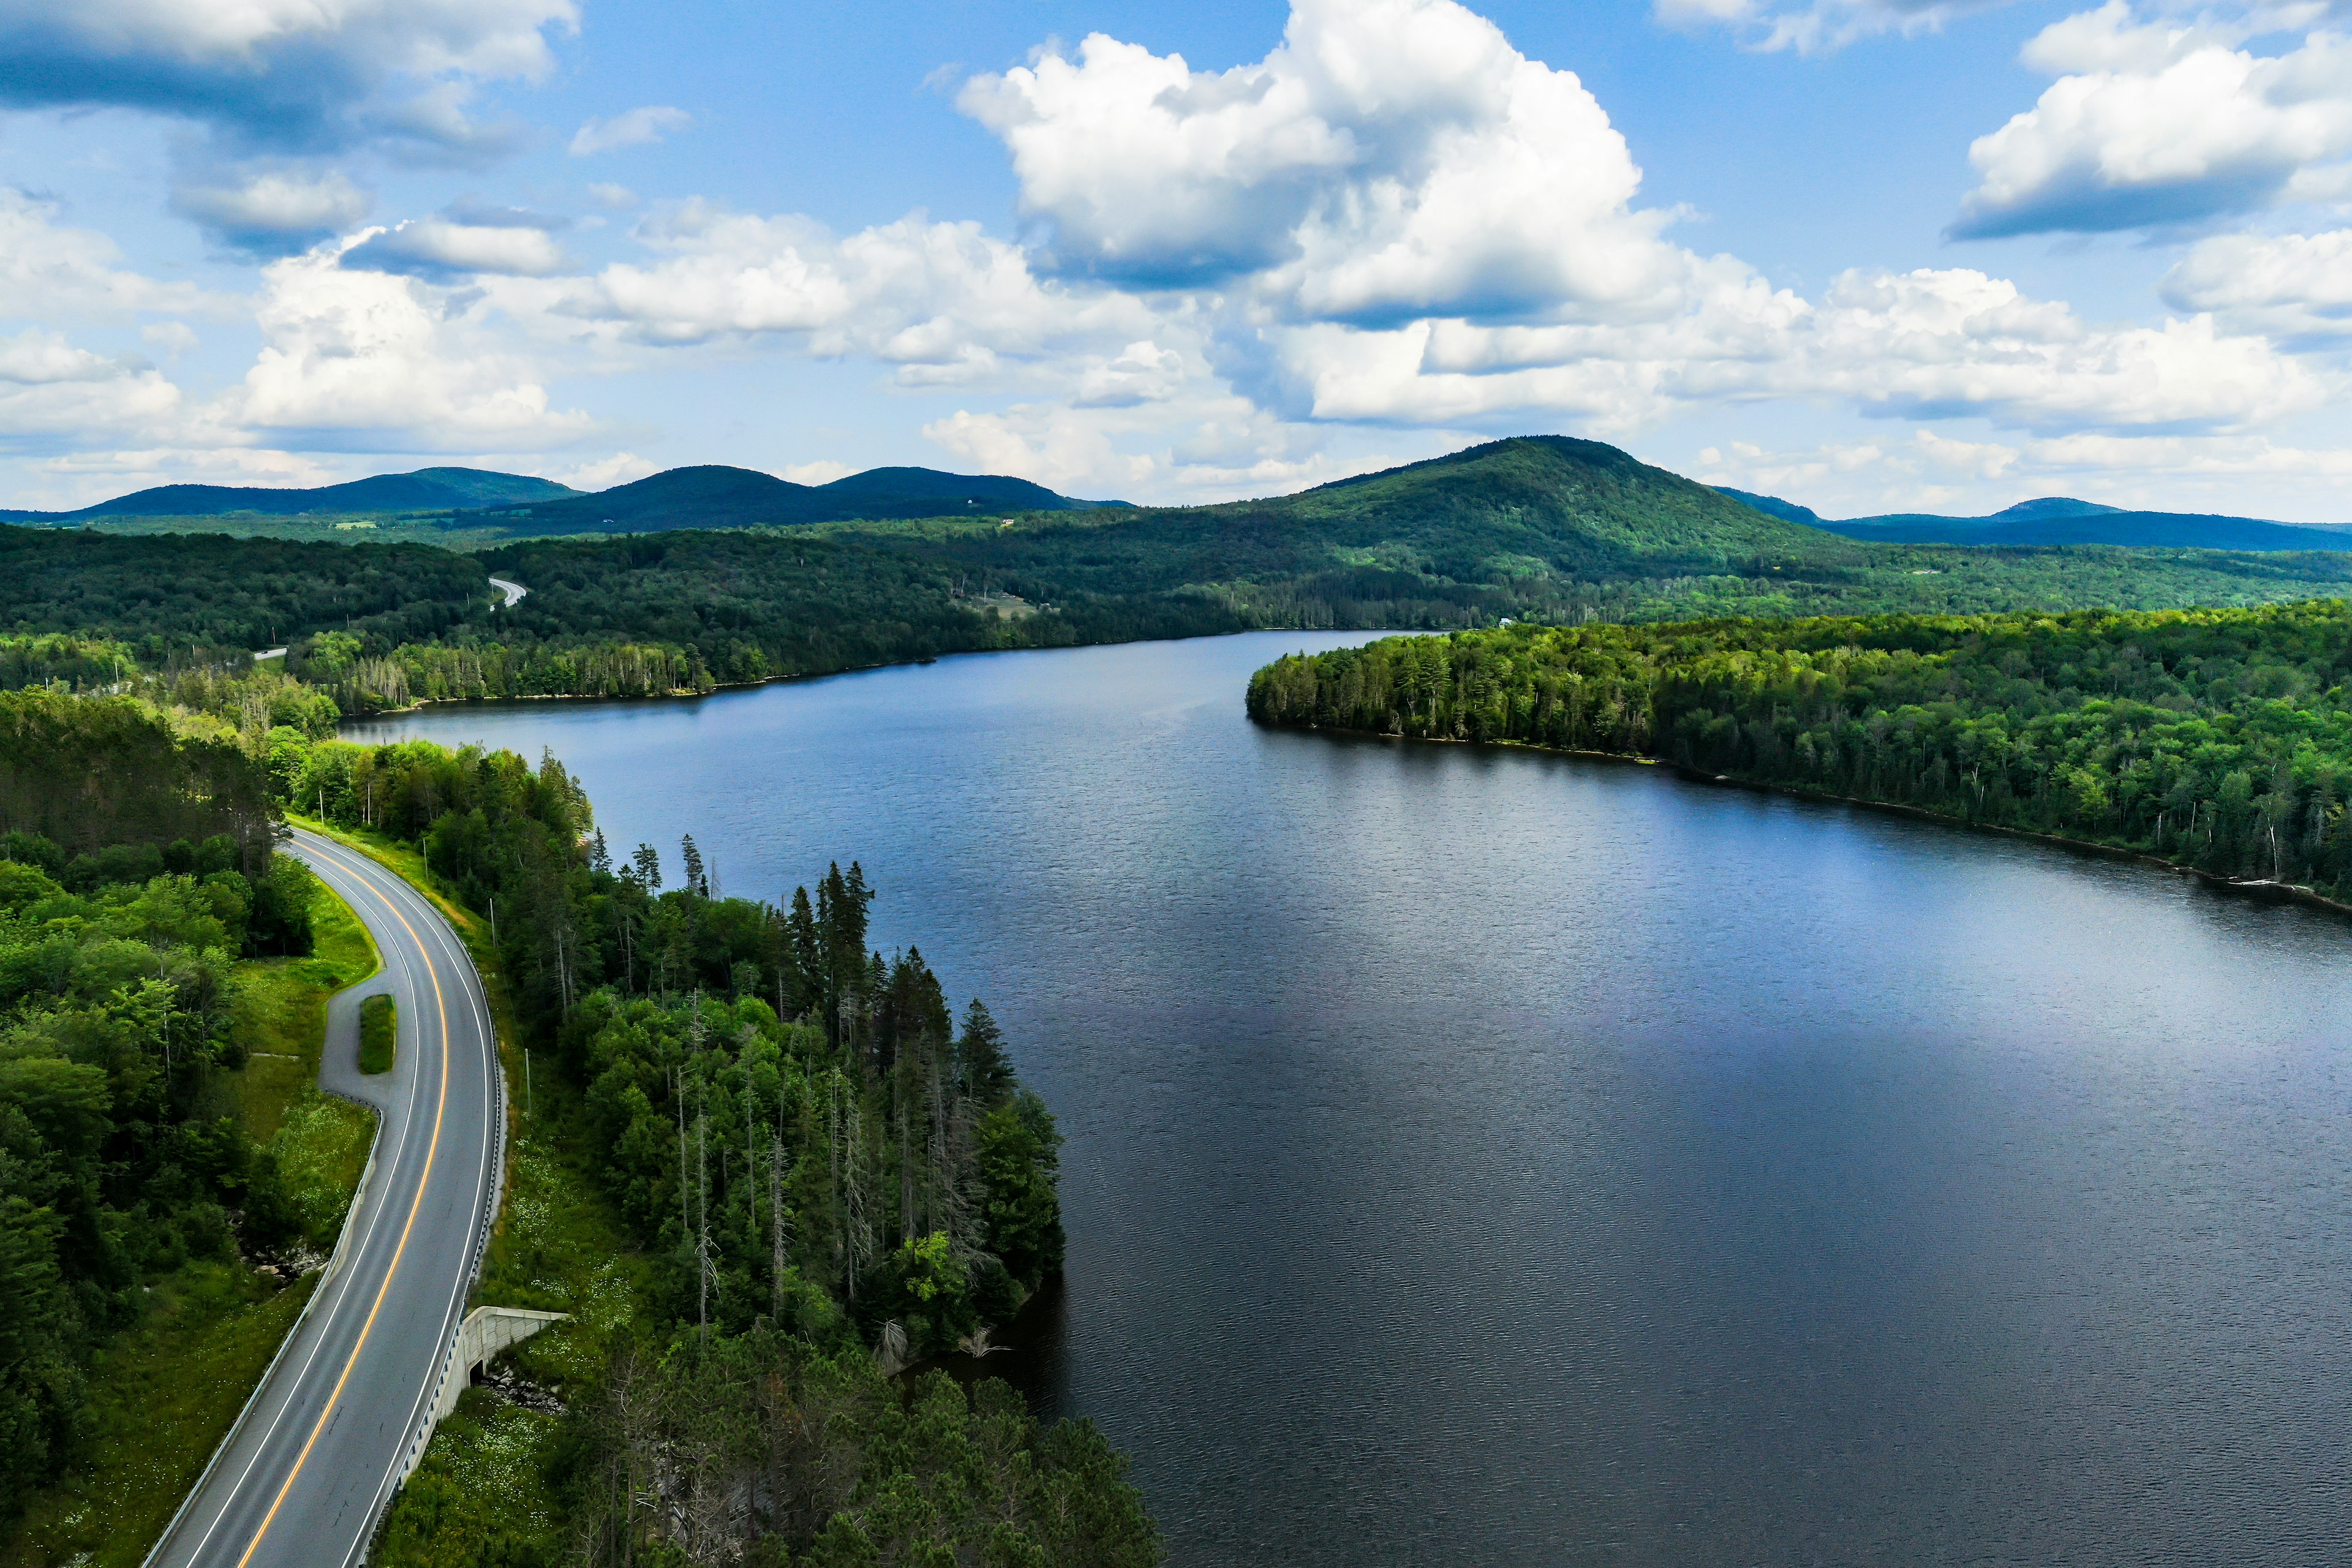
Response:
column 2218, row 740
column 771, row 1173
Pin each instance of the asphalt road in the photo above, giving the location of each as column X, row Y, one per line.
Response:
column 304, row 1475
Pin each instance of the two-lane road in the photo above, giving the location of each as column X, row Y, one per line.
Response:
column 333, row 1429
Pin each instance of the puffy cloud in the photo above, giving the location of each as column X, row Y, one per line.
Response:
column 1826, row 24
column 1042, row 443
column 2295, row 287
column 822, row 471
column 2152, row 125
column 53, row 396
column 173, row 338
column 274, row 212
column 1391, row 159
column 1141, row 373
column 48, row 272
column 1397, row 218
column 290, row 74
column 1209, row 445
column 636, row 127
column 356, row 359
column 462, row 242
column 1922, row 344
column 603, row 473
column 940, row 300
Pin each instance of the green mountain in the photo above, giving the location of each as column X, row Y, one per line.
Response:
column 1538, row 527
column 1577, row 507
column 2062, row 520
column 717, row 497
column 425, row 490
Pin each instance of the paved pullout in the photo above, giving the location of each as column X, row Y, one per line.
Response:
column 339, row 1418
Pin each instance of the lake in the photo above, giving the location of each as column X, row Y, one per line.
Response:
column 1484, row 1157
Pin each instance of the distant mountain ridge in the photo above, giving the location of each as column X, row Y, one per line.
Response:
column 705, row 496
column 425, row 490
column 2062, row 520
column 716, row 496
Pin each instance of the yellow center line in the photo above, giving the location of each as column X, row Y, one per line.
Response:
column 432, row 1149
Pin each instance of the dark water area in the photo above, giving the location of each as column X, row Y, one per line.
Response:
column 1482, row 1157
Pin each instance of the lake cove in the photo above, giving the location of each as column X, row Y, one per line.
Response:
column 1490, row 1157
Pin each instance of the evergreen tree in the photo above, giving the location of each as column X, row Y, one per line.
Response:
column 986, row 1075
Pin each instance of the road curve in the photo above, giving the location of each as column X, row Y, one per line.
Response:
column 335, row 1424
column 513, row 590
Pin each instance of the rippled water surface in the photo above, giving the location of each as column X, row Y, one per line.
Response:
column 1482, row 1157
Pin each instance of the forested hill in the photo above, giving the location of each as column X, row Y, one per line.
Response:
column 1543, row 528
column 427, row 489
column 717, row 497
column 2135, row 529
column 2218, row 738
column 1578, row 506
column 167, row 594
column 2061, row 520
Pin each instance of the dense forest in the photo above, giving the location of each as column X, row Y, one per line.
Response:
column 135, row 870
column 2217, row 739
column 831, row 1174
column 1563, row 531
column 175, row 599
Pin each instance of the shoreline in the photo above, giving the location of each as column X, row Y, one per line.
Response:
column 2288, row 893
column 688, row 693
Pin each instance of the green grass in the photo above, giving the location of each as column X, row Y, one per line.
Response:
column 340, row 941
column 379, row 1028
column 279, row 1012
column 322, row 1150
column 483, row 1479
column 162, row 1396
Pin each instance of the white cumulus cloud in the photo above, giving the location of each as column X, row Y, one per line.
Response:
column 49, row 271
column 1391, row 158
column 2295, row 287
column 634, row 129
column 288, row 75
column 923, row 296
column 2152, row 124
column 446, row 247
column 273, row 211
column 53, row 396
column 350, row 357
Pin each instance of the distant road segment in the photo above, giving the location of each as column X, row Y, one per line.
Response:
column 339, row 1418
column 513, row 591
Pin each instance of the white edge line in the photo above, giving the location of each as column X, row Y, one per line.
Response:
column 490, row 1170
column 331, row 1280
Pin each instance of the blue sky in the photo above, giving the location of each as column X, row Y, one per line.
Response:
column 1867, row 254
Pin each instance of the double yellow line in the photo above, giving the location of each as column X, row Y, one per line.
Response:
column 432, row 1150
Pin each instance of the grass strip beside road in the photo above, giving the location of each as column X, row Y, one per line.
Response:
column 379, row 1028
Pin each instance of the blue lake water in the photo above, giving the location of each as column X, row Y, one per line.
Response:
column 1485, row 1157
